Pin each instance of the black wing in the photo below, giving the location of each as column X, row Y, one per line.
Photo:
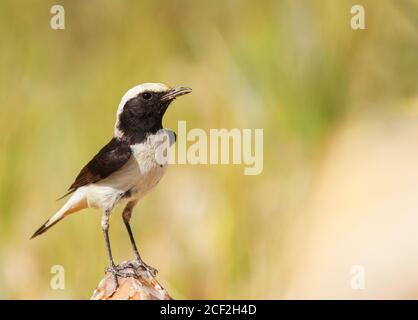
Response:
column 110, row 158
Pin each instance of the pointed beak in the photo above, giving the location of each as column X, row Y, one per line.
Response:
column 175, row 92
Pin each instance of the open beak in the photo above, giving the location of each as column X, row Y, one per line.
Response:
column 175, row 92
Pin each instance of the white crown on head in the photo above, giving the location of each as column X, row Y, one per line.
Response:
column 134, row 91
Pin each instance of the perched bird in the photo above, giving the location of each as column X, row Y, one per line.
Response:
column 127, row 167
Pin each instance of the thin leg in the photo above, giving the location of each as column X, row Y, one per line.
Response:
column 112, row 267
column 105, row 228
column 109, row 250
column 127, row 213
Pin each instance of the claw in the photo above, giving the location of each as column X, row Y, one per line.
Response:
column 113, row 271
column 141, row 264
column 116, row 271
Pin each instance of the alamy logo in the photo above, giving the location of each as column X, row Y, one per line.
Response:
column 358, row 20
column 58, row 18
column 218, row 146
column 358, row 277
column 58, row 279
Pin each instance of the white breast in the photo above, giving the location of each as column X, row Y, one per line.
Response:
column 139, row 175
column 151, row 162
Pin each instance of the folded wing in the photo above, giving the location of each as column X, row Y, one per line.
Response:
column 109, row 159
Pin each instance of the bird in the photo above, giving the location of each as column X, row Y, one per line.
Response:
column 127, row 167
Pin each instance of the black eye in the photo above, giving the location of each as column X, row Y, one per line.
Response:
column 146, row 95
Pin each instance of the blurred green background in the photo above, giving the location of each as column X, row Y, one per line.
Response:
column 294, row 68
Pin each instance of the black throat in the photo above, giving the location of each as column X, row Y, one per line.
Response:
column 139, row 119
column 135, row 129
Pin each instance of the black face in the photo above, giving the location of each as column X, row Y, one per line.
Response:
column 142, row 115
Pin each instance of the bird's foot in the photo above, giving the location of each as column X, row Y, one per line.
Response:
column 132, row 268
column 147, row 268
column 139, row 264
column 118, row 271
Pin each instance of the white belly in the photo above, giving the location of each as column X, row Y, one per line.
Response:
column 136, row 178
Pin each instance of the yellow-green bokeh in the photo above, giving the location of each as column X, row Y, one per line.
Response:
column 294, row 68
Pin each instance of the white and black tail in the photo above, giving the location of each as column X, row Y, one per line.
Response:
column 74, row 204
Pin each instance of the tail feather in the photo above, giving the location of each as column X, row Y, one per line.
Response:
column 74, row 204
column 70, row 191
column 48, row 224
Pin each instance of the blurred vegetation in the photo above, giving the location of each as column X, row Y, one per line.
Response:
column 294, row 68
